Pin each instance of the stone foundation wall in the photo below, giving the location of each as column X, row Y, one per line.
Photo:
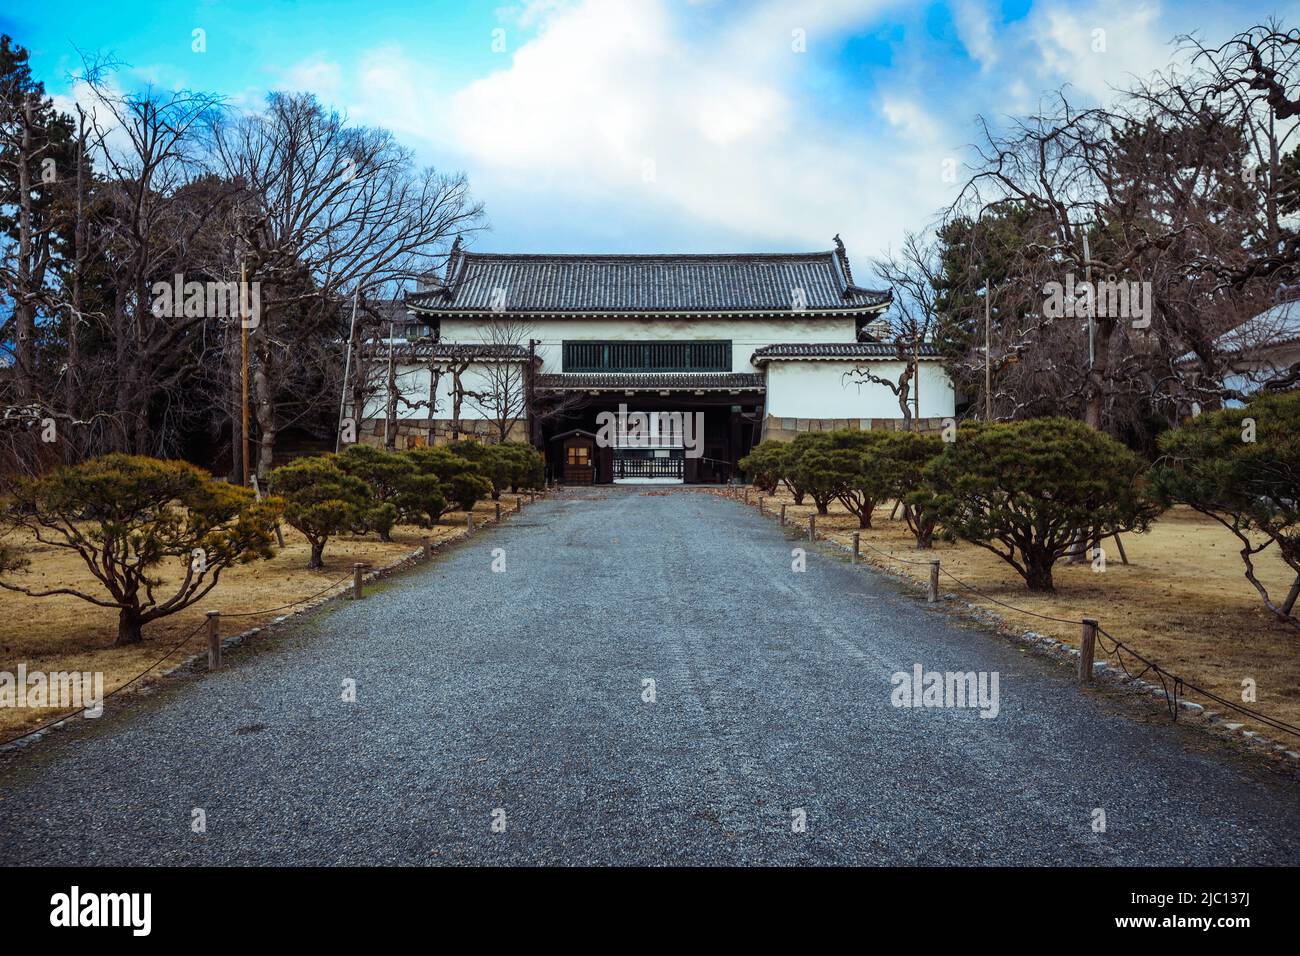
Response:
column 414, row 432
column 785, row 429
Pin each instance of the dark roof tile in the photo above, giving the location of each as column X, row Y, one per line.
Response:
column 833, row 351
column 647, row 283
column 632, row 381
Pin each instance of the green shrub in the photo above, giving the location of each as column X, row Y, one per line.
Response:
column 763, row 464
column 1252, row 488
column 507, row 465
column 528, row 468
column 125, row 515
column 458, row 479
column 789, row 456
column 490, row 461
column 1025, row 490
column 809, row 470
column 390, row 478
column 321, row 500
column 903, row 457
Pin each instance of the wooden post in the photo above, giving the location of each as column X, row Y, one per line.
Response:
column 857, row 545
column 760, row 506
column 933, row 596
column 1087, row 648
column 214, row 640
column 747, row 494
column 428, row 547
column 519, row 504
column 469, row 522
column 498, row 512
column 357, row 568
column 812, row 527
column 783, row 514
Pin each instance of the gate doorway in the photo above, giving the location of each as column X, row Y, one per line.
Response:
column 649, row 466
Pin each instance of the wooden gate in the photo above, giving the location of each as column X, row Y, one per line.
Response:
column 579, row 460
column 672, row 466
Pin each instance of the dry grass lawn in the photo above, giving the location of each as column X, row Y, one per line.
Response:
column 1182, row 601
column 64, row 633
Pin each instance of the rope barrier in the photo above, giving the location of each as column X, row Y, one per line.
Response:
column 328, row 587
column 121, row 687
column 971, row 587
column 1179, row 683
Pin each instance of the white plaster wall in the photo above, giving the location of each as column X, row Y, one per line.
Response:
column 413, row 385
column 745, row 335
column 820, row 390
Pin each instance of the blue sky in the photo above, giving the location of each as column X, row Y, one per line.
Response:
column 647, row 125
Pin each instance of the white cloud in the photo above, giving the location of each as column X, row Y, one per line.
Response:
column 975, row 29
column 317, row 75
column 608, row 92
column 745, row 149
column 1101, row 47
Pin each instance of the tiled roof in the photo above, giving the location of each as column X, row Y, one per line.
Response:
column 647, row 283
column 627, row 381
column 424, row 351
column 1268, row 330
column 834, row 351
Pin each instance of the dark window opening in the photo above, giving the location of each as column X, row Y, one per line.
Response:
column 704, row 356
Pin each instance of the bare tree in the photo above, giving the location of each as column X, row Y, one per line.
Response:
column 344, row 206
column 912, row 275
column 157, row 201
column 502, row 393
column 1147, row 195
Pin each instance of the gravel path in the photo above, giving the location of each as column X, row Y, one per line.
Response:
column 522, row 691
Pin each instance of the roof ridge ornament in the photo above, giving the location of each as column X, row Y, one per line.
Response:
column 452, row 256
column 843, row 255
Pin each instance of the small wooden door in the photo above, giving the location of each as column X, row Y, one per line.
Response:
column 579, row 460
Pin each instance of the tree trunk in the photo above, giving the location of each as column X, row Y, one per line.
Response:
column 234, row 361
column 128, row 627
column 24, row 310
column 317, row 555
column 265, row 422
column 1092, row 414
column 1038, row 574
column 864, row 519
column 73, row 392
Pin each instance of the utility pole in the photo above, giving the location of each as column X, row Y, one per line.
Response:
column 243, row 371
column 988, row 358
